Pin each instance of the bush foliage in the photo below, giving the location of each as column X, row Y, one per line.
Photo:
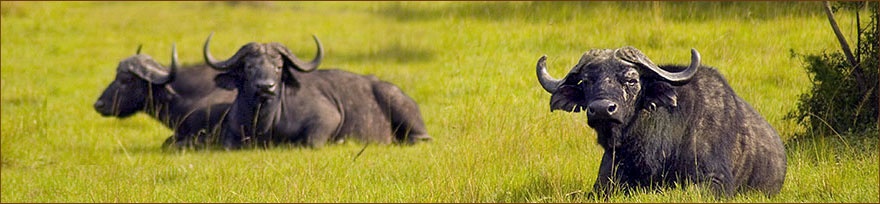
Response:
column 843, row 98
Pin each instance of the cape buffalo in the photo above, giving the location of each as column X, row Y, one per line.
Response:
column 183, row 100
column 283, row 99
column 665, row 124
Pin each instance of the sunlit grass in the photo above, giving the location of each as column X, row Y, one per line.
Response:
column 470, row 65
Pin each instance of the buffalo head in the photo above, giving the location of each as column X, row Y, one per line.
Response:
column 130, row 91
column 612, row 85
column 257, row 69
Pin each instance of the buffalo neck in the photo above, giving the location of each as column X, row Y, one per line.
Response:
column 608, row 137
column 647, row 141
column 255, row 117
column 161, row 103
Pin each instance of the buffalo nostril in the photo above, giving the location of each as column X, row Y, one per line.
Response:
column 99, row 104
column 601, row 108
column 266, row 86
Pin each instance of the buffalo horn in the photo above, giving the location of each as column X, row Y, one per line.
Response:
column 156, row 75
column 299, row 64
column 548, row 82
column 172, row 71
column 151, row 71
column 682, row 76
column 631, row 54
column 216, row 64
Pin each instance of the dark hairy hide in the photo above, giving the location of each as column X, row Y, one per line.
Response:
column 656, row 131
column 189, row 104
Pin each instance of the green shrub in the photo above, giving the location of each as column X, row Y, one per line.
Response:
column 843, row 98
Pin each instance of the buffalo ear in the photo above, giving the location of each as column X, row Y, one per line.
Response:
column 569, row 98
column 225, row 81
column 660, row 93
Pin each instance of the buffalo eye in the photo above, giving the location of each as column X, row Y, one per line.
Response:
column 631, row 82
column 124, row 82
column 631, row 77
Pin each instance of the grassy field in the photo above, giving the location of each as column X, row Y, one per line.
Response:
column 470, row 65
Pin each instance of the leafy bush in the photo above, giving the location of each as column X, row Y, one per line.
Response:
column 843, row 98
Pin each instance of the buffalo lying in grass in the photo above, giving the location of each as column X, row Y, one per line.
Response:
column 664, row 124
column 184, row 100
column 283, row 99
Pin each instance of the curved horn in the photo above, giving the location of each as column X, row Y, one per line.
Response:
column 153, row 73
column 216, row 64
column 548, row 82
column 304, row 66
column 139, row 49
column 172, row 71
column 636, row 56
column 682, row 76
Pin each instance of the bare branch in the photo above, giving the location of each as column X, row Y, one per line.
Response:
column 840, row 38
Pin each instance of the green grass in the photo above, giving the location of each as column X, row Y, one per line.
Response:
column 470, row 65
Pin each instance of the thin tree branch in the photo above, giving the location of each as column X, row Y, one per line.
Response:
column 858, row 37
column 843, row 45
